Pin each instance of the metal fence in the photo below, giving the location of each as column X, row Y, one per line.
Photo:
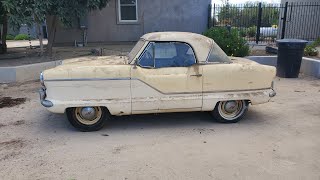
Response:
column 264, row 23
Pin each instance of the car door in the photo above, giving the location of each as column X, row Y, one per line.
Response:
column 166, row 79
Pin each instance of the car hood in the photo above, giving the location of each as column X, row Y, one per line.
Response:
column 90, row 67
column 96, row 60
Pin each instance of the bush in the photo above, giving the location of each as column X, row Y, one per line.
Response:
column 242, row 33
column 21, row 37
column 230, row 42
column 252, row 31
column 10, row 37
column 311, row 50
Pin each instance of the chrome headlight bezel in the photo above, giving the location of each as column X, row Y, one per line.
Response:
column 41, row 79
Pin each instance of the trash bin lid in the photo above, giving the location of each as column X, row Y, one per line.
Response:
column 292, row 43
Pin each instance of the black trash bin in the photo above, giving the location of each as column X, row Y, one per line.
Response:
column 290, row 52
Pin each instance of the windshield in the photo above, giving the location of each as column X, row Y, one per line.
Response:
column 218, row 55
column 136, row 49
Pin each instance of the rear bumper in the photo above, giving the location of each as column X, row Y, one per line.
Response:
column 43, row 101
column 272, row 93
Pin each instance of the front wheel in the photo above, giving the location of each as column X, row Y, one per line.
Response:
column 230, row 111
column 88, row 118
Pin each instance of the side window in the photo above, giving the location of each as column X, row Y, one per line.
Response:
column 167, row 54
column 217, row 55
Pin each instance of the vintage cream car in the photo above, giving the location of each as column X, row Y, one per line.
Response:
column 164, row 72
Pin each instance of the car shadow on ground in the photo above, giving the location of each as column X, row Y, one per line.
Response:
column 59, row 122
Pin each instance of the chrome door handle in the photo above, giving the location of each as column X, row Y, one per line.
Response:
column 196, row 75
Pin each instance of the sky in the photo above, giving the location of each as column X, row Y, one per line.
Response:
column 244, row 1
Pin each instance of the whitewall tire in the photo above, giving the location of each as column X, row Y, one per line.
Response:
column 88, row 118
column 230, row 111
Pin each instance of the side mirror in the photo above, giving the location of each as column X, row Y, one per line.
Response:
column 135, row 63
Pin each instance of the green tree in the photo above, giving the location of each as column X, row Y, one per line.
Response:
column 15, row 13
column 247, row 15
column 3, row 33
column 53, row 11
column 66, row 11
column 228, row 15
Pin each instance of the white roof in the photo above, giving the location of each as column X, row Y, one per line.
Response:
column 200, row 44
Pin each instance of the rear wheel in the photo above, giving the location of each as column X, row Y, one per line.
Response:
column 230, row 111
column 88, row 118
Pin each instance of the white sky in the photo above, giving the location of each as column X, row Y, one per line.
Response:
column 244, row 1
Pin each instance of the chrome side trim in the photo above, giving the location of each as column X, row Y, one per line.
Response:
column 198, row 92
column 127, row 78
column 89, row 79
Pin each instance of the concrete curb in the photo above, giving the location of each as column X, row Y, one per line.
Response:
column 309, row 66
column 25, row 72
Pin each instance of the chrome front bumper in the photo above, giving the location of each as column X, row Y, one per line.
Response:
column 45, row 103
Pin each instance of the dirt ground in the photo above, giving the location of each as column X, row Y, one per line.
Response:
column 277, row 140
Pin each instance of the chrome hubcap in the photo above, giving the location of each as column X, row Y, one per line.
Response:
column 231, row 110
column 88, row 113
column 230, row 106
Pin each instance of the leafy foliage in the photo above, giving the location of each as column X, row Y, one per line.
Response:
column 10, row 37
column 247, row 15
column 37, row 11
column 311, row 50
column 230, row 42
column 21, row 37
column 28, row 11
column 2, row 12
column 252, row 31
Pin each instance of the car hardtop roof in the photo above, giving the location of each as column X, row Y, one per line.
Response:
column 173, row 36
column 200, row 44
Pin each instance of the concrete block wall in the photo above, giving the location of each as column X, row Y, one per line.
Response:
column 25, row 73
column 309, row 66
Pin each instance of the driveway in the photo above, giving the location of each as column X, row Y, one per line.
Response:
column 277, row 140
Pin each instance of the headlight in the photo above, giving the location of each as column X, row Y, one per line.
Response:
column 41, row 79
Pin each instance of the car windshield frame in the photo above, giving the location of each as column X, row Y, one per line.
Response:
column 136, row 49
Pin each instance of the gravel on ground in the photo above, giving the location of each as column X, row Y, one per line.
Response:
column 277, row 140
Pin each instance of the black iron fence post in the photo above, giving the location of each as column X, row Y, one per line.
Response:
column 209, row 16
column 284, row 20
column 259, row 22
column 214, row 15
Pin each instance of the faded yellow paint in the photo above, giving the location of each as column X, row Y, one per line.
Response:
column 242, row 74
column 128, row 89
column 155, row 89
column 102, row 67
column 172, row 79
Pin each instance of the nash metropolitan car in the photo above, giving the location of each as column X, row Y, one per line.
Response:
column 164, row 72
